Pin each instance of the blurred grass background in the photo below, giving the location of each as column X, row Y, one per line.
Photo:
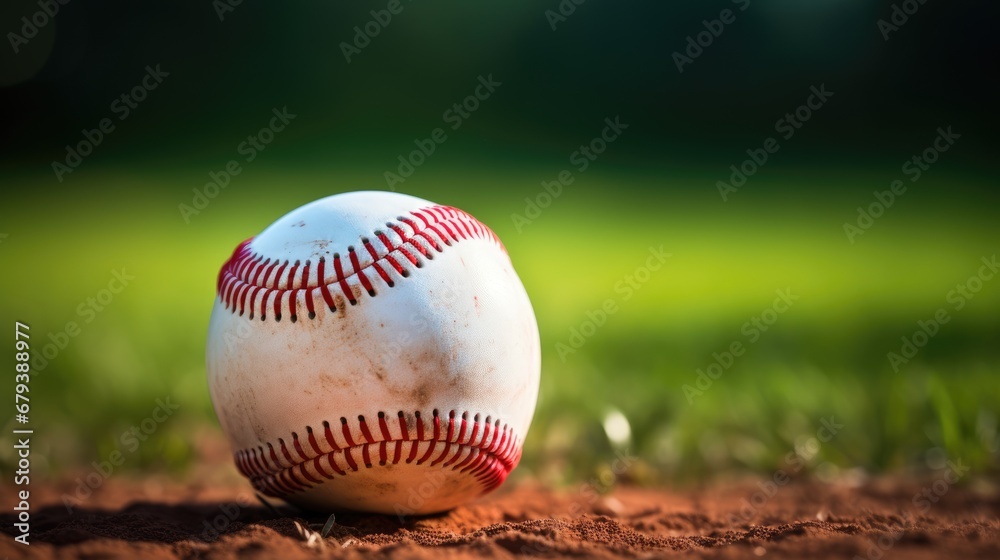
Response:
column 826, row 356
column 655, row 186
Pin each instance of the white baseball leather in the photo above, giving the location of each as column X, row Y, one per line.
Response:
column 412, row 398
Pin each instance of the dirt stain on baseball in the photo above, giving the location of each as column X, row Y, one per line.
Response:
column 422, row 395
column 411, row 421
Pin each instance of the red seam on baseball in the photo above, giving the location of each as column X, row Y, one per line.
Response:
column 489, row 460
column 344, row 287
column 330, row 458
column 350, row 458
column 329, row 437
column 312, row 440
column 246, row 275
column 323, row 288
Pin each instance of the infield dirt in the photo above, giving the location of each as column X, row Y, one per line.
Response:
column 160, row 518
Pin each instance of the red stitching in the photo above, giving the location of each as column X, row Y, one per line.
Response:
column 312, row 440
column 329, row 436
column 402, row 426
column 364, row 430
column 436, row 437
column 381, row 453
column 350, row 458
column 344, row 287
column 361, row 273
column 409, row 256
column 489, row 460
column 249, row 283
column 319, row 467
column 347, row 432
column 336, row 467
column 383, row 426
column 276, row 299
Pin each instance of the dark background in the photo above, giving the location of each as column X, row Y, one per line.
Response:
column 605, row 59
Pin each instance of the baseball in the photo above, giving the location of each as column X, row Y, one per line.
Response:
column 373, row 351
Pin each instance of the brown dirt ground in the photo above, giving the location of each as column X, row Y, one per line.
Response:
column 157, row 518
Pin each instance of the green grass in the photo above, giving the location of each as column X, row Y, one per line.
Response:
column 825, row 356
